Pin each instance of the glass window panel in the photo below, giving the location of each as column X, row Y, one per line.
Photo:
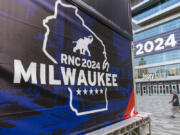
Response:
column 159, row 72
column 158, row 30
column 155, row 9
column 158, row 58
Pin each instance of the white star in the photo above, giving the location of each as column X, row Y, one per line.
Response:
column 85, row 91
column 78, row 92
column 96, row 91
column 101, row 91
column 91, row 92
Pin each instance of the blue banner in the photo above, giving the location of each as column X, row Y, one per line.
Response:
column 61, row 70
column 157, row 44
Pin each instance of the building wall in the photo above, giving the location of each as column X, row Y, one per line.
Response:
column 157, row 49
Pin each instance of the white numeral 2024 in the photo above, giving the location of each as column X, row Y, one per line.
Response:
column 159, row 42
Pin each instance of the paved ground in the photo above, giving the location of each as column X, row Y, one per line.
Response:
column 162, row 124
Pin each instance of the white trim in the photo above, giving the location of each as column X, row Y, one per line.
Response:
column 169, row 78
column 157, row 23
column 134, row 21
column 158, row 64
column 158, row 13
column 139, row 4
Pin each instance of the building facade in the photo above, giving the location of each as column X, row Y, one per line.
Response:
column 156, row 25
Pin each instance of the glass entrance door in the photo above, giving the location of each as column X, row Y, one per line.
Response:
column 167, row 89
column 178, row 91
column 138, row 89
column 174, row 87
column 164, row 90
column 148, row 91
column 160, row 89
column 152, row 92
column 144, row 90
column 155, row 89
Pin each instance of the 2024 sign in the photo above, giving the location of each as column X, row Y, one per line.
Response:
column 156, row 45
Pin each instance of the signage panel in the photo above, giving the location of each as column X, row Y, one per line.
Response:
column 157, row 44
column 61, row 70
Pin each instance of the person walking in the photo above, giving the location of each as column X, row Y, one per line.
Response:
column 175, row 103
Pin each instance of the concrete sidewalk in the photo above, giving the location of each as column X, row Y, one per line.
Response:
column 158, row 106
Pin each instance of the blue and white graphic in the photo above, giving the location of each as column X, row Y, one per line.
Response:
column 45, row 21
column 158, row 44
column 82, row 45
column 62, row 71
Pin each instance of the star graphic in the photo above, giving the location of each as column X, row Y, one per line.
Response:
column 85, row 91
column 96, row 91
column 91, row 92
column 101, row 91
column 78, row 92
